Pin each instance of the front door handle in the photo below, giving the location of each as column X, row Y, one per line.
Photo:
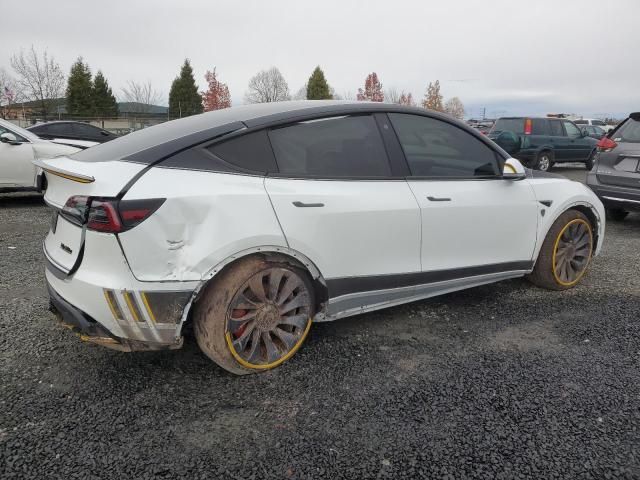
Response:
column 438, row 199
column 302, row 205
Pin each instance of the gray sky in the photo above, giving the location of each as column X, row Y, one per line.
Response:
column 511, row 56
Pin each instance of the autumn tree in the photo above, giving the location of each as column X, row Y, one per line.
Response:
column 39, row 77
column 317, row 86
column 103, row 100
column 372, row 89
column 406, row 99
column 141, row 96
column 184, row 99
column 455, row 108
column 267, row 86
column 79, row 88
column 432, row 98
column 217, row 95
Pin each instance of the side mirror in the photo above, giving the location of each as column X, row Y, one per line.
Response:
column 513, row 170
column 509, row 141
column 10, row 138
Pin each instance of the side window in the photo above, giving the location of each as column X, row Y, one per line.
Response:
column 571, row 129
column 434, row 148
column 250, row 152
column 335, row 147
column 84, row 130
column 556, row 128
column 539, row 126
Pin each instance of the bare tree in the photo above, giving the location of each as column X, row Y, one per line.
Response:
column 391, row 95
column 142, row 96
column 346, row 95
column 39, row 78
column 455, row 108
column 9, row 92
column 267, row 86
column 301, row 94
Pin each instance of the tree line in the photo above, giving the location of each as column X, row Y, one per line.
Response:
column 39, row 78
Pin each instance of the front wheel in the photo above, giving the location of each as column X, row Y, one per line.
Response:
column 565, row 253
column 254, row 316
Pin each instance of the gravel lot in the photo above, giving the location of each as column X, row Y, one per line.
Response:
column 502, row 381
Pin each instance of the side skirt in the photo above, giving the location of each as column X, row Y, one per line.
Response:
column 361, row 302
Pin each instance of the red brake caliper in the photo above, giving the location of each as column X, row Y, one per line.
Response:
column 239, row 313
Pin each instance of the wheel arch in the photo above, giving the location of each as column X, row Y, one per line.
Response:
column 269, row 253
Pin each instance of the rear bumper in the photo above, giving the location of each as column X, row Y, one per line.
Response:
column 106, row 304
column 613, row 196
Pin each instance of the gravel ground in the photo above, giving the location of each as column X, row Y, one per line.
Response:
column 501, row 381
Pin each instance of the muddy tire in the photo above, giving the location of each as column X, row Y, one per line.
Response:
column 254, row 315
column 565, row 254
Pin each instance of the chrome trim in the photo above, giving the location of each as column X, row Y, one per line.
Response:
column 623, row 200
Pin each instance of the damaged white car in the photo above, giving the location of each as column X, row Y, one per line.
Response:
column 253, row 222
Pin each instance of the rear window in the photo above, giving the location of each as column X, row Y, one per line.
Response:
column 250, row 152
column 629, row 132
column 581, row 122
column 515, row 125
column 539, row 126
column 331, row 148
column 600, row 123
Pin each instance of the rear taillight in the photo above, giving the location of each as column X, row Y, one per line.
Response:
column 606, row 144
column 527, row 126
column 109, row 215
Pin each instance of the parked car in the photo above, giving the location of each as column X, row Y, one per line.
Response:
column 594, row 122
column 593, row 131
column 541, row 141
column 75, row 133
column 615, row 177
column 251, row 222
column 18, row 148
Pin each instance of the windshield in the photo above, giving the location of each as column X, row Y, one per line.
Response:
column 515, row 125
column 18, row 130
column 628, row 132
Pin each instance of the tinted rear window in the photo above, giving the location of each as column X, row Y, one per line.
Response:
column 581, row 122
column 250, row 152
column 515, row 125
column 539, row 126
column 628, row 132
column 597, row 122
column 331, row 148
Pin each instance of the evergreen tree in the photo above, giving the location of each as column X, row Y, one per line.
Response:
column 79, row 89
column 184, row 99
column 317, row 86
column 104, row 102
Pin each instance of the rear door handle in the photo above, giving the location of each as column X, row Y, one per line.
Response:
column 303, row 205
column 438, row 199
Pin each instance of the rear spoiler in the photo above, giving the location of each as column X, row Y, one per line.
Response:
column 76, row 177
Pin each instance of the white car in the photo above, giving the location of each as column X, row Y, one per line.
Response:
column 252, row 222
column 18, row 149
column 595, row 122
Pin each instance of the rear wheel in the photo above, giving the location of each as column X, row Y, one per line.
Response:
column 616, row 214
column 544, row 161
column 565, row 253
column 589, row 162
column 254, row 316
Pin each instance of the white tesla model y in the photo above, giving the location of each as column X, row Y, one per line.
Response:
column 253, row 222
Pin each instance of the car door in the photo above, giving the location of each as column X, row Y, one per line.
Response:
column 580, row 147
column 16, row 168
column 473, row 220
column 559, row 140
column 339, row 203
